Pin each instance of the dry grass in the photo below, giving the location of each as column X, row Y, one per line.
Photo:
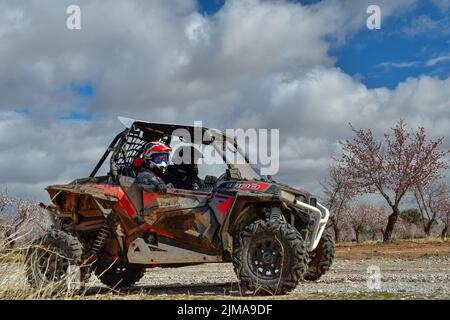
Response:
column 13, row 276
column 14, row 283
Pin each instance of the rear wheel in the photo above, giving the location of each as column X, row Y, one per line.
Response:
column 321, row 258
column 49, row 258
column 116, row 273
column 269, row 256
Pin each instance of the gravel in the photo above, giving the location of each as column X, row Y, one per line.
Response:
column 421, row 278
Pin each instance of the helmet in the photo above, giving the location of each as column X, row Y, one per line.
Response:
column 156, row 155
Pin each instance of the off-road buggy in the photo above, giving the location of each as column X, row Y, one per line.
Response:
column 273, row 234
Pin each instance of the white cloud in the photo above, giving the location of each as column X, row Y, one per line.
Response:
column 398, row 65
column 254, row 64
column 435, row 61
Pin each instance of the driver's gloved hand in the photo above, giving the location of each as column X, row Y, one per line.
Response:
column 161, row 187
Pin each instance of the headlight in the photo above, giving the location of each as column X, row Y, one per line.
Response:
column 287, row 196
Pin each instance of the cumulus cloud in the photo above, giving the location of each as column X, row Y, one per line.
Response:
column 35, row 151
column 263, row 64
column 161, row 54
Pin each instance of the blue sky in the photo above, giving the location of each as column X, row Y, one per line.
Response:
column 86, row 92
column 401, row 49
column 209, row 7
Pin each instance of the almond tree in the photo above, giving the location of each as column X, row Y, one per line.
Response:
column 356, row 218
column 365, row 218
column 338, row 194
column 402, row 229
column 432, row 201
column 444, row 213
column 393, row 166
column 376, row 221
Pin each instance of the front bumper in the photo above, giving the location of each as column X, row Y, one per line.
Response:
column 320, row 217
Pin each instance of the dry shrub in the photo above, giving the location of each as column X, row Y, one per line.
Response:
column 13, row 276
column 21, row 221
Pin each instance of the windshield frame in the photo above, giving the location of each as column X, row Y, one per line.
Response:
column 246, row 170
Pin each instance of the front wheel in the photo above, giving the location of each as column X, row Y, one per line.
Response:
column 321, row 258
column 269, row 256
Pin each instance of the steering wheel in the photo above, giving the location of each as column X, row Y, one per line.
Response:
column 220, row 178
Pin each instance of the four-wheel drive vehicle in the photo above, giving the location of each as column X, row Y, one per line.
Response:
column 110, row 225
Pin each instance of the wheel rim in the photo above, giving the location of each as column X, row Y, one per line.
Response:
column 265, row 258
column 119, row 270
column 112, row 266
column 52, row 264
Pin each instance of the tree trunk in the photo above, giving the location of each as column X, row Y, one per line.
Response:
column 391, row 224
column 337, row 233
column 444, row 232
column 357, row 235
column 427, row 227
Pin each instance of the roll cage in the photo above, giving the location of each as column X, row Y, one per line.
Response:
column 128, row 145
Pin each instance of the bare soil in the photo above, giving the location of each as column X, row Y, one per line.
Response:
column 396, row 250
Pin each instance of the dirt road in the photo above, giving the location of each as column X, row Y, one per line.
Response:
column 408, row 270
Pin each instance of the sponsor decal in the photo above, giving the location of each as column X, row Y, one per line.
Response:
column 148, row 198
column 250, row 186
column 225, row 206
column 158, row 231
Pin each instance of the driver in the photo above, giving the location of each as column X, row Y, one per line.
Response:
column 184, row 173
column 155, row 158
